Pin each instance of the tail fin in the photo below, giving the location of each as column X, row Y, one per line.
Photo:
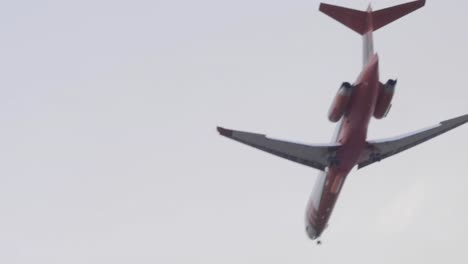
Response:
column 363, row 22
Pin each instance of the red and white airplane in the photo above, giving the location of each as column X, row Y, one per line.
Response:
column 352, row 109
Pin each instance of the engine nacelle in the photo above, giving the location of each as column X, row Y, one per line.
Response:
column 384, row 101
column 340, row 102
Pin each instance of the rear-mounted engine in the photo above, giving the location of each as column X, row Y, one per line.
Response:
column 340, row 102
column 384, row 101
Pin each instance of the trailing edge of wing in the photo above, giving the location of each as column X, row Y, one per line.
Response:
column 317, row 157
column 381, row 149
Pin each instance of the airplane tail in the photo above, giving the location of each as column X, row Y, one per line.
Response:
column 363, row 22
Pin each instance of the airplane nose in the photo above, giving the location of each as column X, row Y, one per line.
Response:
column 311, row 232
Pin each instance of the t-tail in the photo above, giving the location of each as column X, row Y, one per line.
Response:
column 366, row 22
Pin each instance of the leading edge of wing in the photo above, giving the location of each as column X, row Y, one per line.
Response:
column 315, row 156
column 380, row 149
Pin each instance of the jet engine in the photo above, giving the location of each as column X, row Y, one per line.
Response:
column 384, row 99
column 340, row 102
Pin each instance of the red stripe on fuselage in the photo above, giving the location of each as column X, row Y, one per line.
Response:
column 352, row 137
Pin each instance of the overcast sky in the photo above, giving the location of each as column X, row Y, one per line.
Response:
column 109, row 154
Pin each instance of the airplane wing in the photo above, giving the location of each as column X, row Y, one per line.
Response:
column 315, row 156
column 381, row 149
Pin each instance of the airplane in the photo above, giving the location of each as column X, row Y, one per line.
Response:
column 352, row 109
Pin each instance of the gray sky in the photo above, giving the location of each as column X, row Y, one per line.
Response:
column 109, row 152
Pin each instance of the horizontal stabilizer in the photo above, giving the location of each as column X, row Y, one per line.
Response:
column 386, row 16
column 353, row 19
column 315, row 156
column 381, row 149
column 365, row 21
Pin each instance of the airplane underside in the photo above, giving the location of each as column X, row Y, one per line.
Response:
column 353, row 107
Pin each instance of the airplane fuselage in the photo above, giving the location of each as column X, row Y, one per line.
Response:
column 351, row 134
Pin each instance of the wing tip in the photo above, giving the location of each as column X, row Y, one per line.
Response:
column 457, row 120
column 224, row 132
